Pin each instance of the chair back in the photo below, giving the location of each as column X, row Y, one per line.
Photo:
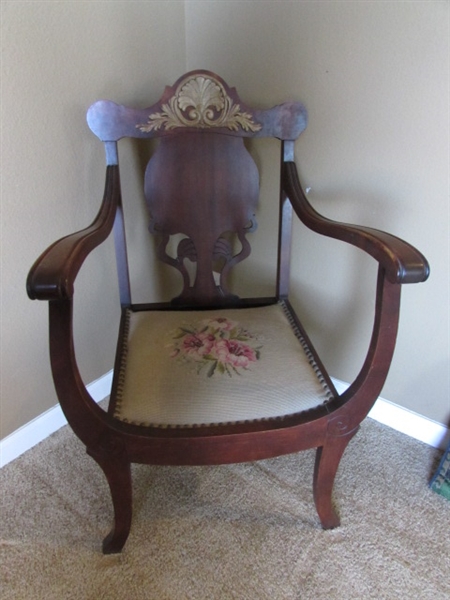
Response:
column 201, row 184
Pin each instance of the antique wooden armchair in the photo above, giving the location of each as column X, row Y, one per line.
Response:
column 210, row 378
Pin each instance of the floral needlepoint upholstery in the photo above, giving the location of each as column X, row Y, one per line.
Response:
column 190, row 368
column 216, row 345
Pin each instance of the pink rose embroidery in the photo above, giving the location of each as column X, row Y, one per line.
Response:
column 197, row 345
column 216, row 346
column 234, row 353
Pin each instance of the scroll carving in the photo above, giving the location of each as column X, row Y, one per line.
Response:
column 200, row 101
column 339, row 426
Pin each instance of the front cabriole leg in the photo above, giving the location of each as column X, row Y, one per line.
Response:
column 111, row 456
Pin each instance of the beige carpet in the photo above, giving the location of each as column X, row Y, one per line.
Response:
column 234, row 532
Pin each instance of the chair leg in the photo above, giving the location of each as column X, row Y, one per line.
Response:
column 118, row 474
column 327, row 462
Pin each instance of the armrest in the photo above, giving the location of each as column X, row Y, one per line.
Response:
column 401, row 261
column 53, row 274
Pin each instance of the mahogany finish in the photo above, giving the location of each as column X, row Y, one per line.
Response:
column 202, row 183
column 179, row 201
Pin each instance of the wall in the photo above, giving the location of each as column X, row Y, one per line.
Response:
column 58, row 58
column 374, row 77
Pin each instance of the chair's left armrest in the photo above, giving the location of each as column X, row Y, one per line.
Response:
column 402, row 262
column 53, row 274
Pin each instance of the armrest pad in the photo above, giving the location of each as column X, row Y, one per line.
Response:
column 401, row 261
column 53, row 274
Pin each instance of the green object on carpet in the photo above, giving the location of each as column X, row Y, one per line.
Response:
column 441, row 480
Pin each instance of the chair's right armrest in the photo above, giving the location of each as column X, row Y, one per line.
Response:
column 53, row 274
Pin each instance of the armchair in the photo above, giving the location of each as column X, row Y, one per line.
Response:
column 211, row 378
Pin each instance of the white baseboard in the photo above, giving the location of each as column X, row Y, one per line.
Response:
column 399, row 418
column 44, row 425
column 406, row 421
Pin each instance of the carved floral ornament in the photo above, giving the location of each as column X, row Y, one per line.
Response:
column 200, row 101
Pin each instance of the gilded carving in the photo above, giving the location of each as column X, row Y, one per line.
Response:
column 200, row 101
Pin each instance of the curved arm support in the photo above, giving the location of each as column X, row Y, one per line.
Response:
column 401, row 261
column 363, row 392
column 53, row 274
column 86, row 418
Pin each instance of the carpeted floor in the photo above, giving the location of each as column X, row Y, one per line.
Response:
column 245, row 532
